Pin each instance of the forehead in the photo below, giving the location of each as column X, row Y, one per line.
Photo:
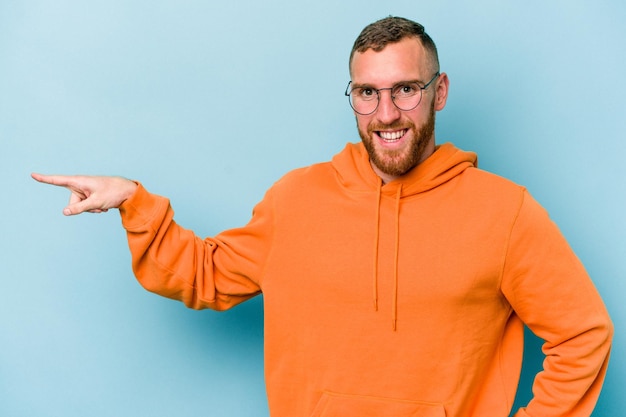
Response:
column 400, row 61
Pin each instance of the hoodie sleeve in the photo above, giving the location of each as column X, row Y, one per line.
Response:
column 216, row 273
column 550, row 291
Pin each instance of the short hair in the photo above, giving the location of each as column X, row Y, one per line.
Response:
column 393, row 29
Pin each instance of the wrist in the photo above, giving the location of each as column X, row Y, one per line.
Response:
column 128, row 188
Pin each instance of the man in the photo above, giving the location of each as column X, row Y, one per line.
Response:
column 397, row 278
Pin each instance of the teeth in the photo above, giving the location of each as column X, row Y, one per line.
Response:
column 392, row 136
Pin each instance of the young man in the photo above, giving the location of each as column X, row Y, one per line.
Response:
column 397, row 278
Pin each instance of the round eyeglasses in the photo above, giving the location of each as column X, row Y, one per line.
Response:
column 405, row 96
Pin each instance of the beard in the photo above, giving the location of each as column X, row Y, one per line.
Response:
column 399, row 162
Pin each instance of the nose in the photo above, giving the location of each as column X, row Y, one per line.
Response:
column 387, row 111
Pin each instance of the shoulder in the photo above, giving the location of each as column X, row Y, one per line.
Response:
column 480, row 176
column 301, row 189
column 491, row 193
column 492, row 184
column 306, row 177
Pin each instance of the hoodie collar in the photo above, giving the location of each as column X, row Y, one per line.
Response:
column 355, row 172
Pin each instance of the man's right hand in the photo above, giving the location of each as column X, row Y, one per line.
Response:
column 89, row 193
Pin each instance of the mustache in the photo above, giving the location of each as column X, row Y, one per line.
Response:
column 397, row 125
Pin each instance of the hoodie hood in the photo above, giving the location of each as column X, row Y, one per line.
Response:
column 356, row 174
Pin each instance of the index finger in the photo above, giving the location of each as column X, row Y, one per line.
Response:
column 60, row 180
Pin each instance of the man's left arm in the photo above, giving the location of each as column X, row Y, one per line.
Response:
column 552, row 293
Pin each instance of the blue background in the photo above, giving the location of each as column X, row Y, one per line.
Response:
column 209, row 103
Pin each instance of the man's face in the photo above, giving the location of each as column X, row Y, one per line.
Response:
column 397, row 140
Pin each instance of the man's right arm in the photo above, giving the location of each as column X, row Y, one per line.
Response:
column 216, row 273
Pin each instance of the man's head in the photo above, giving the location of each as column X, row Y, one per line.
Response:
column 391, row 59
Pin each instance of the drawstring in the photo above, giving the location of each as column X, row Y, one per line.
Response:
column 394, row 301
column 376, row 240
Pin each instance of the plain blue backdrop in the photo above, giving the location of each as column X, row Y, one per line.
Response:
column 209, row 103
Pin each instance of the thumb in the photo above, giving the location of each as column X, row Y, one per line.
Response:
column 79, row 207
column 71, row 210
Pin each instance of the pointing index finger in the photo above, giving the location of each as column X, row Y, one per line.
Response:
column 60, row 180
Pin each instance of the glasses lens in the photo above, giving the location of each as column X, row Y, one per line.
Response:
column 364, row 100
column 407, row 96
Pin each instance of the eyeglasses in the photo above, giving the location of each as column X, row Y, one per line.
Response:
column 405, row 96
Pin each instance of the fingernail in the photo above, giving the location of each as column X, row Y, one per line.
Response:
column 67, row 211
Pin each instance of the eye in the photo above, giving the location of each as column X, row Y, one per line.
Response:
column 406, row 90
column 367, row 92
column 364, row 93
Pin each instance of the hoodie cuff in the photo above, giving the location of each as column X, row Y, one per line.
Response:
column 141, row 209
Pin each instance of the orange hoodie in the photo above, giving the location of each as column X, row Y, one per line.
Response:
column 404, row 299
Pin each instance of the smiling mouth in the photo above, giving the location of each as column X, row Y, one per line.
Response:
column 391, row 137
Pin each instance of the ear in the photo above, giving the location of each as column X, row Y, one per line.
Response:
column 441, row 91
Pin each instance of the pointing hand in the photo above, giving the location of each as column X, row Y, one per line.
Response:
column 93, row 194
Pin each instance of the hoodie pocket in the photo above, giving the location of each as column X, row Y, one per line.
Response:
column 343, row 405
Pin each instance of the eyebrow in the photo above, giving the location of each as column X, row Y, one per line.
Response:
column 365, row 85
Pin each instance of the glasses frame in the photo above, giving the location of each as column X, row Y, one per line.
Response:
column 378, row 90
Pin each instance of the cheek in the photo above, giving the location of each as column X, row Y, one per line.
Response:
column 418, row 117
column 362, row 122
